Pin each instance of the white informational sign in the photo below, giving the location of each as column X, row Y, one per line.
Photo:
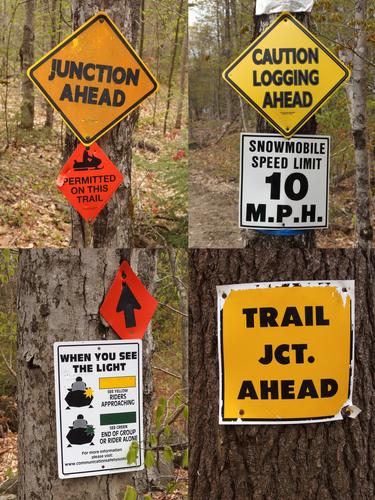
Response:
column 284, row 182
column 275, row 6
column 99, row 403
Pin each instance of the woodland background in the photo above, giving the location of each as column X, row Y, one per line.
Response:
column 32, row 210
column 219, row 31
column 169, row 372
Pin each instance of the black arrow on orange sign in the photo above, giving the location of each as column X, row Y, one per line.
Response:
column 127, row 304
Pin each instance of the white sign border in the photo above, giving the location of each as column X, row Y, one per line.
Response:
column 58, row 407
column 226, row 289
column 273, row 227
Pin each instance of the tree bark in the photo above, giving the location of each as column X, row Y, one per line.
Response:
column 262, row 126
column 359, row 121
column 180, row 14
column 27, row 58
column 59, row 296
column 114, row 225
column 227, row 46
column 52, row 12
column 181, row 96
column 325, row 460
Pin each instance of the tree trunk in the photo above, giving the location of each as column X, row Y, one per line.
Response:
column 60, row 292
column 180, row 14
column 183, row 307
column 262, row 126
column 359, row 120
column 53, row 17
column 227, row 46
column 114, row 225
column 27, row 58
column 304, row 461
column 181, row 96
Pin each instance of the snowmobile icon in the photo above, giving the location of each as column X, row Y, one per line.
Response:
column 80, row 432
column 79, row 395
column 89, row 162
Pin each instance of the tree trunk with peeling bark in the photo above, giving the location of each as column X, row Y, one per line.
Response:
column 60, row 292
column 308, row 461
column 27, row 58
column 114, row 225
column 306, row 240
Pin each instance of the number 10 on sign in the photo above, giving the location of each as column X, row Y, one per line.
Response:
column 284, row 183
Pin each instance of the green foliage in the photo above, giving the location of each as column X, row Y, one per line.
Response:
column 149, row 459
column 160, row 410
column 186, row 412
column 185, row 459
column 171, row 487
column 130, row 493
column 132, row 455
column 168, row 454
column 8, row 319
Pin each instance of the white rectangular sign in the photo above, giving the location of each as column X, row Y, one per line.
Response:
column 284, row 182
column 99, row 403
column 275, row 6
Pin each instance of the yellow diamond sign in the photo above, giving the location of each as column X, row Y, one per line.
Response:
column 286, row 74
column 94, row 78
column 286, row 351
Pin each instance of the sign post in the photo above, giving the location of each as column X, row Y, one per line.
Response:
column 99, row 407
column 284, row 183
column 286, row 351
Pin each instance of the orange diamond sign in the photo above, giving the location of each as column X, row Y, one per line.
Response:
column 94, row 78
column 286, row 74
column 88, row 180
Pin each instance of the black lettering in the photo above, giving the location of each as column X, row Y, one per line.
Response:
column 247, row 390
column 267, row 358
column 291, row 317
column 268, row 316
column 307, row 390
column 249, row 316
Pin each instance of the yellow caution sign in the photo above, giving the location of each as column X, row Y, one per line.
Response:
column 286, row 74
column 286, row 351
column 94, row 78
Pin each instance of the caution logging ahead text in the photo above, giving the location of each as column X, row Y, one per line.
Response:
column 296, row 78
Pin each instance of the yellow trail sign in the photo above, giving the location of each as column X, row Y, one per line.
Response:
column 286, row 351
column 286, row 74
column 94, row 78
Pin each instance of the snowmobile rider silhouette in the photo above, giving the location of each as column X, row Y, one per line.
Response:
column 78, row 385
column 88, row 161
column 80, row 423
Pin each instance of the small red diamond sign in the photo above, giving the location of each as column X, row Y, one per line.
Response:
column 128, row 306
column 88, row 180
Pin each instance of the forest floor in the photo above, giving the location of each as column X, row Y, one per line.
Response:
column 33, row 213
column 214, row 193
